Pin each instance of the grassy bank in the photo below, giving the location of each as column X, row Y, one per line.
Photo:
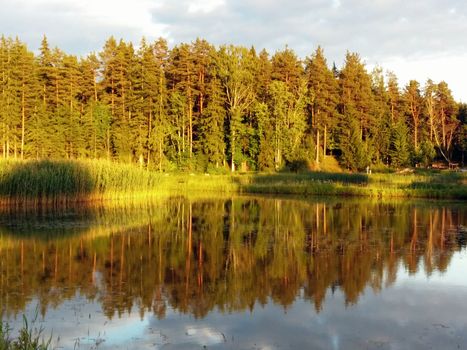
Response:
column 62, row 181
column 421, row 185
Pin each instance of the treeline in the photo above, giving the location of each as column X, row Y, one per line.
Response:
column 198, row 107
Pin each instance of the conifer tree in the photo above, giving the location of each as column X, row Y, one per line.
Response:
column 9, row 103
column 28, row 90
column 414, row 108
column 160, row 129
column 394, row 97
column 48, row 136
column 441, row 110
column 211, row 133
column 286, row 67
column 446, row 119
column 88, row 99
column 399, row 151
column 72, row 123
column 355, row 105
column 263, row 75
column 196, row 107
column 381, row 110
column 323, row 94
column 182, row 78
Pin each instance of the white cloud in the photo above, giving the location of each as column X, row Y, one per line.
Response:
column 205, row 6
column 435, row 67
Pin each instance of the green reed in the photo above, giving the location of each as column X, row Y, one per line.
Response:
column 29, row 337
column 74, row 180
column 63, row 179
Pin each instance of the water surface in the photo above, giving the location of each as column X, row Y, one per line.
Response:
column 240, row 273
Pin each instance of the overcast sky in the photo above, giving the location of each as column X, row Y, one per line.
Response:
column 417, row 39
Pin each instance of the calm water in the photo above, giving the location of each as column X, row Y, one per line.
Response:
column 240, row 273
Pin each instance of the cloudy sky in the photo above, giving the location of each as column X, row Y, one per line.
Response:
column 417, row 39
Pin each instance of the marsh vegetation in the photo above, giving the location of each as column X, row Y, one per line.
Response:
column 87, row 180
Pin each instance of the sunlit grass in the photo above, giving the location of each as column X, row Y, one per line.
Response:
column 86, row 180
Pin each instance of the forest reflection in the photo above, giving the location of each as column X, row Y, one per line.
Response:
column 195, row 256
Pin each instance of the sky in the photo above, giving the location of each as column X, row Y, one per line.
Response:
column 416, row 39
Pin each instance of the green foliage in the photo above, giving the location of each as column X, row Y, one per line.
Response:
column 29, row 337
column 68, row 181
column 211, row 125
column 73, row 180
column 196, row 106
column 355, row 152
column 399, row 151
column 425, row 154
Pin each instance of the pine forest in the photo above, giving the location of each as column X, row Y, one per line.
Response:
column 198, row 107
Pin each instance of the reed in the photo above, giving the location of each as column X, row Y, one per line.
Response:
column 62, row 181
column 29, row 337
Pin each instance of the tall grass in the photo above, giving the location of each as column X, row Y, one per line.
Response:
column 63, row 181
column 28, row 338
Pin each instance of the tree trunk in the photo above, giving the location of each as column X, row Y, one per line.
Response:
column 149, row 135
column 317, row 146
column 232, row 150
column 23, row 119
column 160, row 155
column 324, row 141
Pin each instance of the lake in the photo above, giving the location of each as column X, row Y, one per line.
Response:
column 239, row 273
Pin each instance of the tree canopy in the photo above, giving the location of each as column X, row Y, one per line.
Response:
column 197, row 107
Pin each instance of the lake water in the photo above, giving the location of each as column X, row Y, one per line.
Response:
column 239, row 273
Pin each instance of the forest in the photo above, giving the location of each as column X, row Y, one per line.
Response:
column 198, row 107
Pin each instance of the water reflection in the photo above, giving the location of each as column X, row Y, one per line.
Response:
column 213, row 257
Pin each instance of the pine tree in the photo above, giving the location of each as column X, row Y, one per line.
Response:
column 461, row 141
column 323, row 92
column 182, row 78
column 88, row 99
column 414, row 107
column 211, row 136
column 122, row 122
column 28, row 90
column 446, row 120
column 441, row 110
column 381, row 110
column 160, row 129
column 149, row 122
column 355, row 106
column 195, row 107
column 394, row 97
column 145, row 83
column 72, row 123
column 10, row 102
column 286, row 67
column 263, row 75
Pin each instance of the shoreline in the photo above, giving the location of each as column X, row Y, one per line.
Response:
column 36, row 183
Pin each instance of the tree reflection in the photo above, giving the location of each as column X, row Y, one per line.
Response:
column 195, row 256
